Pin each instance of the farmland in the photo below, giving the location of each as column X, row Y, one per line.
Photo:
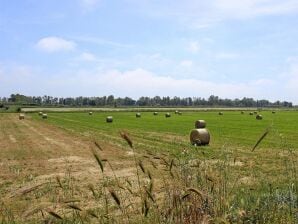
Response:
column 35, row 152
column 233, row 128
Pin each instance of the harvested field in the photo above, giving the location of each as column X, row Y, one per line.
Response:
column 34, row 154
column 47, row 162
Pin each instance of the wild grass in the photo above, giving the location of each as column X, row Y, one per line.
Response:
column 175, row 190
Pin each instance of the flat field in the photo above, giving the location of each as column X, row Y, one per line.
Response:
column 231, row 129
column 48, row 163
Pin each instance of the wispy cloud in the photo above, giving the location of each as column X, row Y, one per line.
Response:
column 252, row 8
column 133, row 83
column 100, row 41
column 203, row 14
column 290, row 78
column 89, row 5
column 55, row 44
column 226, row 55
column 86, row 56
column 142, row 82
column 193, row 47
column 186, row 63
column 16, row 78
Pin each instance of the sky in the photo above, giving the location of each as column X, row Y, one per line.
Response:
column 190, row 48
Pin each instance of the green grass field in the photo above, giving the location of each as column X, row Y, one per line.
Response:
column 231, row 129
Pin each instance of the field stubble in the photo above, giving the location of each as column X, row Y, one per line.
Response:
column 53, row 170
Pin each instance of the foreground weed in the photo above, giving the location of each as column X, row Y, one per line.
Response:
column 168, row 189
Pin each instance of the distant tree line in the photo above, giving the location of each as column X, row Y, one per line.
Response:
column 212, row 101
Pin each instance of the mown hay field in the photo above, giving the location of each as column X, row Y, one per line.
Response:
column 77, row 168
column 232, row 129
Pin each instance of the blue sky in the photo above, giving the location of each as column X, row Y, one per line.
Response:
column 229, row 48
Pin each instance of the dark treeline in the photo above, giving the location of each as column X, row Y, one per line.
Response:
column 156, row 101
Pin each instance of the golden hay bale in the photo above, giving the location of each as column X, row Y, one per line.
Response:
column 199, row 136
column 40, row 113
column 138, row 115
column 220, row 113
column 90, row 113
column 259, row 117
column 44, row 116
column 109, row 119
column 155, row 113
column 200, row 124
column 167, row 115
column 251, row 113
column 21, row 116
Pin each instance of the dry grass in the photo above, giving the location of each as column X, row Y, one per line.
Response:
column 91, row 181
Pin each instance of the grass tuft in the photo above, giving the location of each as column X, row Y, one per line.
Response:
column 126, row 138
column 99, row 161
column 261, row 139
column 98, row 146
column 115, row 197
column 54, row 214
column 75, row 207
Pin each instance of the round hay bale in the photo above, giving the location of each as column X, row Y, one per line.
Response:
column 255, row 112
column 273, row 112
column 109, row 119
column 21, row 116
column 200, row 124
column 40, row 113
column 242, row 112
column 176, row 112
column 90, row 113
column 220, row 113
column 44, row 116
column 259, row 117
column 251, row 113
column 155, row 113
column 199, row 136
column 167, row 115
column 138, row 115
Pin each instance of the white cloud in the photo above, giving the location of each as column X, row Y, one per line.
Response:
column 55, row 44
column 88, row 5
column 202, row 14
column 290, row 79
column 193, row 47
column 133, row 83
column 186, row 63
column 139, row 82
column 292, row 60
column 226, row 55
column 85, row 56
column 150, row 61
column 252, row 8
column 100, row 41
column 18, row 78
